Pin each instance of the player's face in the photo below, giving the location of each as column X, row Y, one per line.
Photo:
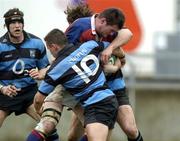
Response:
column 105, row 30
column 51, row 48
column 108, row 30
column 16, row 29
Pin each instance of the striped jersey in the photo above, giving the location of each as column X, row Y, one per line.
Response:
column 79, row 71
column 16, row 59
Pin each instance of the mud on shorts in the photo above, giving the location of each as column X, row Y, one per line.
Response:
column 19, row 103
column 122, row 97
column 104, row 112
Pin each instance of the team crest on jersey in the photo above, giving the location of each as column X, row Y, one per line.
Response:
column 32, row 53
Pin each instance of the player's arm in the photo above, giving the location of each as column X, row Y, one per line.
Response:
column 119, row 52
column 38, row 74
column 124, row 35
column 45, row 88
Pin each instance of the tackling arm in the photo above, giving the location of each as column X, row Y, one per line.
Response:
column 123, row 37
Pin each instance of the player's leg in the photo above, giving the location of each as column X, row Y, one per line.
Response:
column 3, row 115
column 100, row 118
column 97, row 132
column 52, row 109
column 109, row 135
column 46, row 128
column 76, row 129
column 125, row 118
column 32, row 113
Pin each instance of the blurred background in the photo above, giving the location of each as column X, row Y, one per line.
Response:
column 152, row 71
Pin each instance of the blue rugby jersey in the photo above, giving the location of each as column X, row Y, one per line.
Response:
column 115, row 81
column 79, row 71
column 14, row 58
column 83, row 30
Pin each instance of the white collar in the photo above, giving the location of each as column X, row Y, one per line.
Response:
column 93, row 28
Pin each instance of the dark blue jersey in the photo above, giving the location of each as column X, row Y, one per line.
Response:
column 79, row 71
column 15, row 59
column 83, row 30
column 77, row 28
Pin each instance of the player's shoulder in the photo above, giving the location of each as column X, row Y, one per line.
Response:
column 31, row 36
column 82, row 22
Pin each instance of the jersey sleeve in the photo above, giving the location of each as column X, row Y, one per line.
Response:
column 51, row 80
column 45, row 88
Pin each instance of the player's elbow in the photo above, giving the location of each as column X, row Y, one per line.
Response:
column 129, row 34
column 126, row 34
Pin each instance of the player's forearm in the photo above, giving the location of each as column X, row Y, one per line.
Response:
column 123, row 37
column 42, row 73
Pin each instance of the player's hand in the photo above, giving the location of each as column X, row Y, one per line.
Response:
column 34, row 73
column 10, row 90
column 105, row 55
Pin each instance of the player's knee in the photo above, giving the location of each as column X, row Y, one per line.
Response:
column 48, row 122
column 131, row 131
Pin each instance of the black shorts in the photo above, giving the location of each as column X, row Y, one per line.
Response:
column 19, row 103
column 122, row 97
column 104, row 112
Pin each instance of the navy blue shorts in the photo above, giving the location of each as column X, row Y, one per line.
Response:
column 20, row 102
column 104, row 112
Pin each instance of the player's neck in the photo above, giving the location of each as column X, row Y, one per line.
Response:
column 16, row 39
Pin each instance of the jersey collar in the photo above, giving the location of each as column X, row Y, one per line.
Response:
column 93, row 28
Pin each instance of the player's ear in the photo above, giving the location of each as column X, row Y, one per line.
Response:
column 53, row 46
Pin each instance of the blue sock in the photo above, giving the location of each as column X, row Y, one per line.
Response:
column 84, row 138
column 53, row 136
column 34, row 136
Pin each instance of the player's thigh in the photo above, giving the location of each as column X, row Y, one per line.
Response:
column 78, row 113
column 97, row 132
column 126, row 117
column 3, row 116
column 32, row 113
